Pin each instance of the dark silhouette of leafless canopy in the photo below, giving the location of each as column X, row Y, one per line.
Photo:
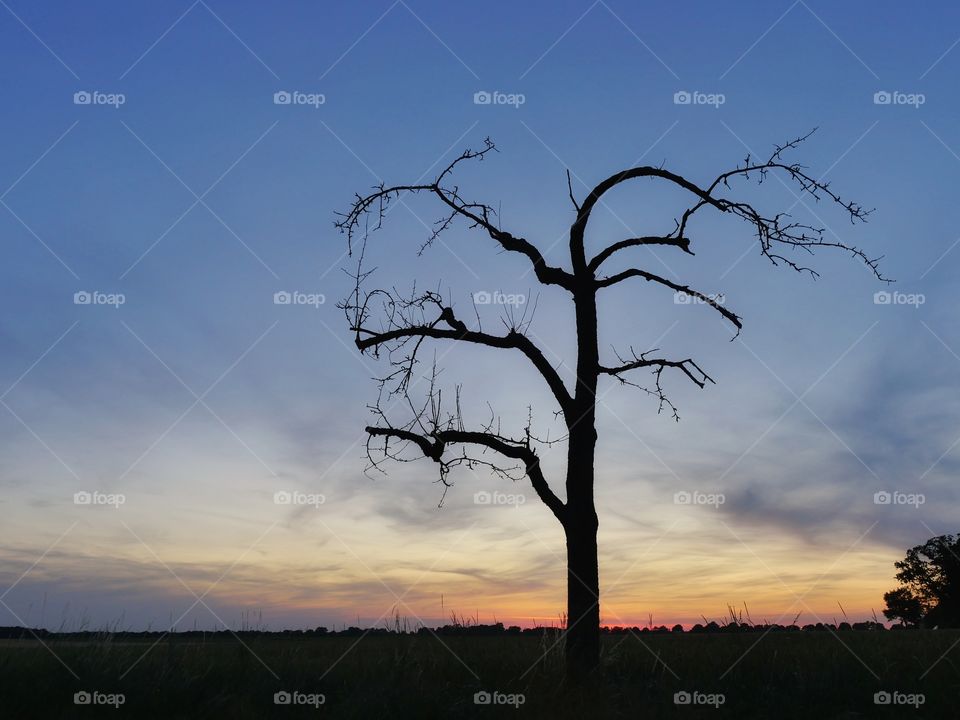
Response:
column 396, row 326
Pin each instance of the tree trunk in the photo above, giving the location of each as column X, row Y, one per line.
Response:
column 583, row 597
column 583, row 579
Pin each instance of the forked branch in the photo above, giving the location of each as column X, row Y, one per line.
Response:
column 775, row 232
column 436, row 443
column 478, row 215
column 688, row 367
column 403, row 327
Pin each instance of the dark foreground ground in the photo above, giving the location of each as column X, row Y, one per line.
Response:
column 779, row 675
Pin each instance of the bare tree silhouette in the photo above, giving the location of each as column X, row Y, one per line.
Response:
column 384, row 321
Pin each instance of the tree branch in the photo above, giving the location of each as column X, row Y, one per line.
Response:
column 689, row 368
column 456, row 330
column 434, row 445
column 580, row 223
column 479, row 215
column 770, row 231
column 676, row 287
column 680, row 242
column 573, row 200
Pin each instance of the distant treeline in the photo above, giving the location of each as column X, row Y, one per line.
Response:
column 13, row 633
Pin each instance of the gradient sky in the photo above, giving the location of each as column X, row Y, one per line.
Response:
column 199, row 398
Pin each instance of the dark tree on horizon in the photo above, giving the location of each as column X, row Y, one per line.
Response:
column 384, row 321
column 929, row 591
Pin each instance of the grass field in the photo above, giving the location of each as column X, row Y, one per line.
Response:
column 784, row 675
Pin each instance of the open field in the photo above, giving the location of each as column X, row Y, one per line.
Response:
column 778, row 675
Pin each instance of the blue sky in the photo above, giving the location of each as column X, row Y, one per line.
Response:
column 198, row 398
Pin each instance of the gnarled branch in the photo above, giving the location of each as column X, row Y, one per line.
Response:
column 681, row 242
column 687, row 366
column 583, row 216
column 434, row 444
column 446, row 326
column 771, row 231
column 479, row 215
column 676, row 287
